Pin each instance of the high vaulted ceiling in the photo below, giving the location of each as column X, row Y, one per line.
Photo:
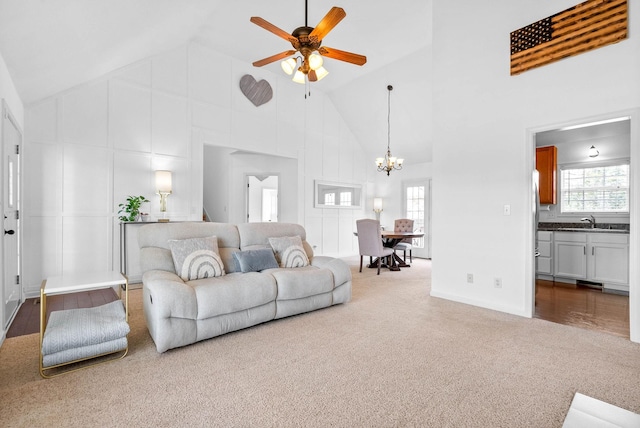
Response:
column 50, row 46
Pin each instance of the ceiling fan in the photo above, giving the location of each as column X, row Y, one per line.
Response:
column 307, row 40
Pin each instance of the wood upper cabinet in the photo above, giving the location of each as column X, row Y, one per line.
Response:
column 546, row 159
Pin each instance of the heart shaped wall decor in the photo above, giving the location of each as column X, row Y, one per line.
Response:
column 257, row 92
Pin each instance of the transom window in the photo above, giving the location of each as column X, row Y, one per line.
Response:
column 602, row 189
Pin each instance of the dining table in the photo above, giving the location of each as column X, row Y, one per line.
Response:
column 391, row 239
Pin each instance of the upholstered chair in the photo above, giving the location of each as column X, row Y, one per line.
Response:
column 404, row 225
column 370, row 241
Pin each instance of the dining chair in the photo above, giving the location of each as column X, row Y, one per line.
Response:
column 370, row 241
column 404, row 225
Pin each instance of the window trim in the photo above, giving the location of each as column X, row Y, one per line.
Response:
column 593, row 164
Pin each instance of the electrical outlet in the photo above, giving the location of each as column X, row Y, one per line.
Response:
column 470, row 278
column 507, row 209
column 497, row 282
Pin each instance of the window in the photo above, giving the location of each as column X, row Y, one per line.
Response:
column 330, row 199
column 345, row 198
column 603, row 189
column 415, row 211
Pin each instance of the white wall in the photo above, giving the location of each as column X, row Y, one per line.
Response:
column 482, row 156
column 9, row 93
column 89, row 147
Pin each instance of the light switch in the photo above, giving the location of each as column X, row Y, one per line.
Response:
column 507, row 209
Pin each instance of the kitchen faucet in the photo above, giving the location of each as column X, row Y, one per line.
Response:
column 591, row 219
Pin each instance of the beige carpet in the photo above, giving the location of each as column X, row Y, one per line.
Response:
column 393, row 356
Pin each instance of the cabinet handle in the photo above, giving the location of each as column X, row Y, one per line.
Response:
column 584, row 250
column 593, row 249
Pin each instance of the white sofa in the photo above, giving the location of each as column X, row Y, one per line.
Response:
column 180, row 312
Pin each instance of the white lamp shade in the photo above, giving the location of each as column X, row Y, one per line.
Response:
column 377, row 203
column 379, row 161
column 400, row 161
column 288, row 65
column 163, row 181
column 321, row 73
column 299, row 77
column 315, row 61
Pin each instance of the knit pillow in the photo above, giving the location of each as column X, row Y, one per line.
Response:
column 196, row 258
column 289, row 251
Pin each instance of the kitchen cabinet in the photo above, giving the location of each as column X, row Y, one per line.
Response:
column 570, row 250
column 599, row 257
column 544, row 262
column 609, row 260
column 546, row 161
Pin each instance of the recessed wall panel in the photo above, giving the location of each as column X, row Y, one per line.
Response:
column 169, row 72
column 132, row 176
column 86, row 244
column 41, row 255
column 85, row 183
column 41, row 122
column 84, row 115
column 129, row 116
column 41, row 178
column 169, row 125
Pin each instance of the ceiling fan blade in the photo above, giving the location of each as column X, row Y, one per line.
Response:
column 342, row 55
column 273, row 58
column 272, row 28
column 313, row 77
column 330, row 20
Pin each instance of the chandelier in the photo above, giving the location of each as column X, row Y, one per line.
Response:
column 388, row 162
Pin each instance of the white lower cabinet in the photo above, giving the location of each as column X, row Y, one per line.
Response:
column 544, row 262
column 598, row 257
column 609, row 260
column 570, row 255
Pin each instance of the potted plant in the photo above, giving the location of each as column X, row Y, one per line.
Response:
column 131, row 210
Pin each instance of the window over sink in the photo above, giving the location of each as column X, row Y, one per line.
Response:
column 601, row 188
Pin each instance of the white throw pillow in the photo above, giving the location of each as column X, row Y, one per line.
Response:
column 196, row 258
column 289, row 251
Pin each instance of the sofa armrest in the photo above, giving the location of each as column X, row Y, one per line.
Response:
column 169, row 295
column 339, row 269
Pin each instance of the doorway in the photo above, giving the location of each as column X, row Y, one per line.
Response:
column 11, row 145
column 262, row 198
column 417, row 207
column 587, row 146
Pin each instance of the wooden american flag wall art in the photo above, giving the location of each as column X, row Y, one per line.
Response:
column 589, row 25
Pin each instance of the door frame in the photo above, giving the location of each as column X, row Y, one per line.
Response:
column 634, row 213
column 427, row 182
column 6, row 113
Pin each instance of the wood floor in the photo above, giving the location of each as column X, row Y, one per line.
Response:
column 556, row 302
column 27, row 320
column 582, row 307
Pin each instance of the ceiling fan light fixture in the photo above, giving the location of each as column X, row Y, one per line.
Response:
column 321, row 73
column 299, row 77
column 315, row 61
column 289, row 65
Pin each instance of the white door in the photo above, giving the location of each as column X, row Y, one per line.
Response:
column 417, row 206
column 11, row 143
column 261, row 206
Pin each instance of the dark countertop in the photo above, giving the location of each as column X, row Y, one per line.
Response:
column 584, row 227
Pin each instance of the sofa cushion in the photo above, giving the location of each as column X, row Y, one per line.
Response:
column 232, row 293
column 303, row 282
column 196, row 258
column 255, row 260
column 289, row 251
